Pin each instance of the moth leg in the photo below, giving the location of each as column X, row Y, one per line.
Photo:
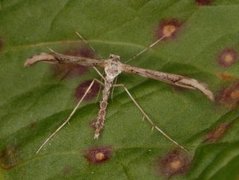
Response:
column 69, row 117
column 154, row 126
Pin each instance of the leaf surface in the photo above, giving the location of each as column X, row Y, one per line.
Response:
column 34, row 101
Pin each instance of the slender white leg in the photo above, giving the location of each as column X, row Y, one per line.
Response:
column 154, row 126
column 98, row 72
column 69, row 117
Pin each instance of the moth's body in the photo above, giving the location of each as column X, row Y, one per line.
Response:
column 112, row 70
column 113, row 67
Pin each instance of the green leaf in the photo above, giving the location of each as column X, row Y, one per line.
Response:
column 34, row 101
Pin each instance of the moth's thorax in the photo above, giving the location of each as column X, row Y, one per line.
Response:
column 113, row 66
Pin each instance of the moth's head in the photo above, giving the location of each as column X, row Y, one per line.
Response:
column 113, row 66
column 114, row 57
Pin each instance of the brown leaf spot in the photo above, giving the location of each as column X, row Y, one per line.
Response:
column 168, row 28
column 71, row 70
column 81, row 89
column 226, row 76
column 227, row 57
column 98, row 155
column 217, row 133
column 229, row 96
column 174, row 163
column 82, row 51
column 9, row 157
column 203, row 2
column 62, row 71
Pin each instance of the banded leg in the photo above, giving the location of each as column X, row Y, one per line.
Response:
column 154, row 126
column 69, row 117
